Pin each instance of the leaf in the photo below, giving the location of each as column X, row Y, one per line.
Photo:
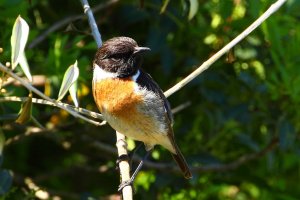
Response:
column 25, row 112
column 18, row 40
column 73, row 93
column 25, row 67
column 164, row 6
column 70, row 77
column 194, row 5
column 5, row 181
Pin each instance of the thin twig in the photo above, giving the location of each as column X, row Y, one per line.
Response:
column 181, row 107
column 197, row 169
column 165, row 167
column 273, row 8
column 66, row 21
column 30, row 131
column 45, row 102
column 95, row 32
column 39, row 93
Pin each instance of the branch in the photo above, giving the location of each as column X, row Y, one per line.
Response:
column 121, row 144
column 240, row 161
column 66, row 21
column 124, row 166
column 39, row 93
column 273, row 8
column 83, row 111
column 45, row 102
column 40, row 192
column 29, row 132
column 164, row 167
column 167, row 167
column 95, row 32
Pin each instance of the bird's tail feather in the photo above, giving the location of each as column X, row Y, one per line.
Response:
column 178, row 157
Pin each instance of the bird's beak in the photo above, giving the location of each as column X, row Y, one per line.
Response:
column 138, row 50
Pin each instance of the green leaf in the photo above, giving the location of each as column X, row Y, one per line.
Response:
column 18, row 40
column 25, row 112
column 71, row 75
column 5, row 181
column 73, row 93
column 25, row 67
column 164, row 6
column 194, row 5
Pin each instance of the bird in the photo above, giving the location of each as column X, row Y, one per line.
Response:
column 129, row 99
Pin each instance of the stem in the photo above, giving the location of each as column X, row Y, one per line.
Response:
column 124, row 166
column 95, row 32
column 273, row 8
column 39, row 93
column 45, row 102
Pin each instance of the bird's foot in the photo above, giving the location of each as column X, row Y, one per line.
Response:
column 124, row 184
column 123, row 157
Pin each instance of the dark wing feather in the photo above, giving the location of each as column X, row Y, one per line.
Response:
column 145, row 80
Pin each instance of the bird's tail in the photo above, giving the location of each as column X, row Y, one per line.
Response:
column 178, row 157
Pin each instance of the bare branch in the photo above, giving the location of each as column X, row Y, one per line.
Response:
column 68, row 20
column 39, row 93
column 273, row 8
column 171, row 167
column 121, row 144
column 45, row 102
column 95, row 32
column 165, row 167
column 124, row 166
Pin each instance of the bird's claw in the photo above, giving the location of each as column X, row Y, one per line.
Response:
column 124, row 184
column 123, row 157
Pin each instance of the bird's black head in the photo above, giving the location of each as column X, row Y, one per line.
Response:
column 120, row 55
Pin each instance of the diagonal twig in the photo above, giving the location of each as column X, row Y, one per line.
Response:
column 45, row 102
column 66, row 21
column 39, row 93
column 93, row 25
column 272, row 9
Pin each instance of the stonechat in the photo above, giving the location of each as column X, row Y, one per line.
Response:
column 130, row 100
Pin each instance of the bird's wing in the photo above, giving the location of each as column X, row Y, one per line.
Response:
column 145, row 80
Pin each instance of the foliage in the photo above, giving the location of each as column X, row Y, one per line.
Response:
column 238, row 106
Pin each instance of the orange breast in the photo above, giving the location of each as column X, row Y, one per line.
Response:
column 127, row 113
column 116, row 97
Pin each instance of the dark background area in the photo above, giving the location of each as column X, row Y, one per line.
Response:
column 245, row 106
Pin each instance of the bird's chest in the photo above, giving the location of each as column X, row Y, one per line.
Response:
column 130, row 110
column 117, row 97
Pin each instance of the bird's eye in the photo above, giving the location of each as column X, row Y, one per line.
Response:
column 115, row 59
column 118, row 56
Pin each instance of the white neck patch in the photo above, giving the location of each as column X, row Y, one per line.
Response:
column 100, row 74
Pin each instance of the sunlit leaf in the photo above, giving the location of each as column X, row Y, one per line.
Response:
column 73, row 93
column 70, row 77
column 25, row 112
column 25, row 67
column 193, row 9
column 164, row 6
column 18, row 40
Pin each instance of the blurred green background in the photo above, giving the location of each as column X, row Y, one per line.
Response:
column 240, row 131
